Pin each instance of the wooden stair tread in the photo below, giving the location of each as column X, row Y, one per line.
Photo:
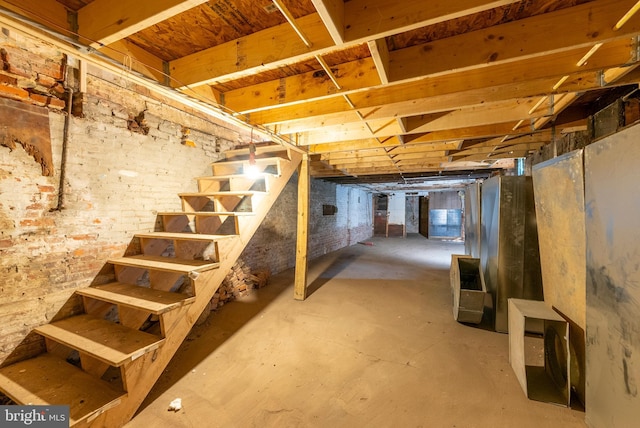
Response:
column 224, row 193
column 165, row 263
column 229, row 176
column 87, row 397
column 148, row 299
column 259, row 150
column 109, row 342
column 47, row 380
column 259, row 160
column 187, row 236
column 208, row 213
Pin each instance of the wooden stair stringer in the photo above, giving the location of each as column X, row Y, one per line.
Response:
column 149, row 367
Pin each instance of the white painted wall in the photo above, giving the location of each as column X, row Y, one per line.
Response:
column 396, row 208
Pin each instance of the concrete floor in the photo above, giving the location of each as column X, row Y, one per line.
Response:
column 374, row 345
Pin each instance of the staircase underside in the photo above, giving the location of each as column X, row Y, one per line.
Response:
column 104, row 362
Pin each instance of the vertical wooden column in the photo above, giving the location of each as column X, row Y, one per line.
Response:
column 300, row 285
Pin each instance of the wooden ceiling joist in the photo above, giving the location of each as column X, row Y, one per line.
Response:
column 461, row 118
column 380, row 55
column 102, row 22
column 315, row 84
column 370, row 87
column 487, row 82
column 391, row 145
column 137, row 59
column 488, row 151
column 359, row 157
column 393, row 18
column 577, row 27
column 237, row 59
column 248, row 55
column 49, row 13
column 292, row 21
column 467, row 133
column 332, row 14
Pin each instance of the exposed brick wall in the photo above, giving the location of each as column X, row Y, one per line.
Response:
column 353, row 222
column 116, row 182
column 117, row 177
column 31, row 72
column 274, row 244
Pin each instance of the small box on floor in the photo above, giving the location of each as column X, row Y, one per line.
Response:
column 468, row 289
column 539, row 351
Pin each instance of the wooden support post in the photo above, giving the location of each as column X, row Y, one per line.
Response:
column 300, row 287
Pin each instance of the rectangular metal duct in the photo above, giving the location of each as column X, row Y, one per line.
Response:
column 547, row 378
column 612, row 201
column 509, row 244
column 468, row 289
column 559, row 192
column 472, row 220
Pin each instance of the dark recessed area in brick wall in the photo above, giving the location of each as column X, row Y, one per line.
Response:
column 329, row 209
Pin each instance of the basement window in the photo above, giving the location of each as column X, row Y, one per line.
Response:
column 329, row 209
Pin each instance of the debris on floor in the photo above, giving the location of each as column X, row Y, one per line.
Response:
column 370, row 244
column 238, row 282
column 175, row 405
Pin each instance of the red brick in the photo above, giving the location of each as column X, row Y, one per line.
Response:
column 45, row 101
column 85, row 237
column 8, row 80
column 48, row 68
column 17, row 61
column 46, row 189
column 114, row 248
column 6, row 243
column 56, row 103
column 38, row 222
column 13, row 93
column 39, row 100
column 57, row 90
column 47, row 81
column 35, row 207
column 91, row 253
column 92, row 265
column 19, row 71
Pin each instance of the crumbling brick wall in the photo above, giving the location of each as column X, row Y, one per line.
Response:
column 116, row 180
column 274, row 244
column 126, row 159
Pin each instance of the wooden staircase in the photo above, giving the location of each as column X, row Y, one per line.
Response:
column 103, row 363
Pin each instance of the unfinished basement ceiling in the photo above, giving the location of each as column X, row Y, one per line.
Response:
column 376, row 91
